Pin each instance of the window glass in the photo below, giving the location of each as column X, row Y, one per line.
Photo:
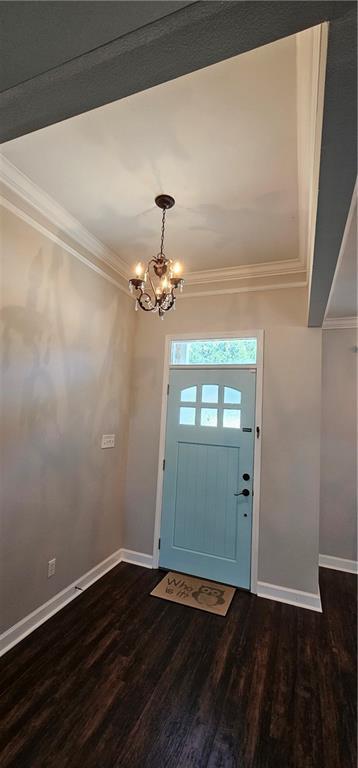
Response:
column 189, row 395
column 210, row 393
column 187, row 417
column 231, row 418
column 232, row 395
column 208, row 417
column 214, row 352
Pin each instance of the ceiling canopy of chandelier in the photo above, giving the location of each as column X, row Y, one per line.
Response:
column 156, row 283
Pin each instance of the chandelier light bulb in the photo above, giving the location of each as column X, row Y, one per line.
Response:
column 177, row 268
column 139, row 269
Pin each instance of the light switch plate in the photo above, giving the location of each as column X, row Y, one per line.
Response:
column 108, row 441
column 51, row 568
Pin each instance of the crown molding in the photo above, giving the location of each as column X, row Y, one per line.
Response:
column 334, row 323
column 242, row 289
column 245, row 271
column 28, row 219
column 33, row 195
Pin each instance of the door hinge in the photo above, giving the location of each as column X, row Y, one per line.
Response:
column 167, row 389
column 163, row 465
column 158, row 543
column 257, row 431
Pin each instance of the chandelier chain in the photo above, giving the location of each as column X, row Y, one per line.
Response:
column 161, row 253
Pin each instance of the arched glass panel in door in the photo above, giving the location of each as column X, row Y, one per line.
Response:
column 211, row 405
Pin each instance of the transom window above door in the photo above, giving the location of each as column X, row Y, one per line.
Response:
column 210, row 405
column 214, row 352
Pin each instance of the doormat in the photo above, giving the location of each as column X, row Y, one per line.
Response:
column 195, row 592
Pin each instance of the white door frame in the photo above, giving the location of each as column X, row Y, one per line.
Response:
column 259, row 335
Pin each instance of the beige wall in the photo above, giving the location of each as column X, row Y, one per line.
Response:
column 338, row 517
column 289, row 517
column 66, row 344
column 67, row 340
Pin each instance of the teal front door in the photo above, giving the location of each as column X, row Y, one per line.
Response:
column 208, row 480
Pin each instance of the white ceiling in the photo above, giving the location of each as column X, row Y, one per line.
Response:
column 223, row 141
column 343, row 297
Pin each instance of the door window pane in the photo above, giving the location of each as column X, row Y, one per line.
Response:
column 208, row 417
column 232, row 395
column 232, row 418
column 187, row 417
column 188, row 395
column 210, row 393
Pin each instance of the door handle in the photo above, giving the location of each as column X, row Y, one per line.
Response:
column 245, row 492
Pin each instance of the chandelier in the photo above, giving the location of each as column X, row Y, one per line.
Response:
column 155, row 284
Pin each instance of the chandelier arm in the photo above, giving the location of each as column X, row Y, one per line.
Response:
column 142, row 301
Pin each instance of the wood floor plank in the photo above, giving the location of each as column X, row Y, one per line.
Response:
column 120, row 679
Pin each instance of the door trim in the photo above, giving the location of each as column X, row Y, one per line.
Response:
column 259, row 335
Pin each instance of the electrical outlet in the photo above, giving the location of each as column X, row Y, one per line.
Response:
column 108, row 441
column 51, row 568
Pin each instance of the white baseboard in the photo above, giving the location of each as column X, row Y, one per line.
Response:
column 18, row 631
column 25, row 626
column 137, row 558
column 338, row 563
column 290, row 596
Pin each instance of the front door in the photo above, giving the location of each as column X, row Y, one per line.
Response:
column 208, row 480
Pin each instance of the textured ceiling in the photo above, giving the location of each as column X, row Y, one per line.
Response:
column 49, row 34
column 222, row 140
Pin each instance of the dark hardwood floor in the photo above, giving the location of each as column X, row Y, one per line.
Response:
column 119, row 679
